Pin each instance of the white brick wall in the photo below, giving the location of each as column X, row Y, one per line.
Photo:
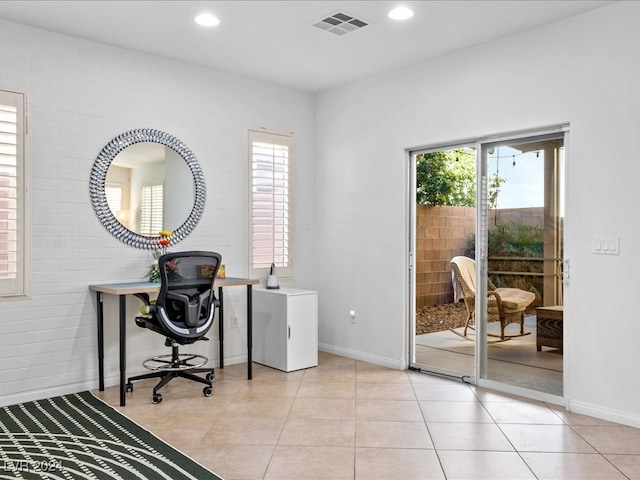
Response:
column 82, row 94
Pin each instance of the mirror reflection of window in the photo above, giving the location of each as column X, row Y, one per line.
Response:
column 114, row 197
column 151, row 207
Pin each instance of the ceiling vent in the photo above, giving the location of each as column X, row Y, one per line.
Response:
column 340, row 23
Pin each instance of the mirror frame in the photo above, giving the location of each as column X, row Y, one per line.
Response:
column 99, row 198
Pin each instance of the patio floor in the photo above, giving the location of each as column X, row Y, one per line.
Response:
column 515, row 361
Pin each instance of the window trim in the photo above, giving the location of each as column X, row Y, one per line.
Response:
column 288, row 139
column 22, row 287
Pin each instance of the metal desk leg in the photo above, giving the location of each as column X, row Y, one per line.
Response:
column 249, row 330
column 221, row 327
column 123, row 348
column 100, row 324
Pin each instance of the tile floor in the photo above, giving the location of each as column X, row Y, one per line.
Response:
column 347, row 419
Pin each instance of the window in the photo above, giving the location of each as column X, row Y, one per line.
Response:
column 151, row 219
column 13, row 240
column 270, row 157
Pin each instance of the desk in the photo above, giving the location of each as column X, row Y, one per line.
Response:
column 124, row 289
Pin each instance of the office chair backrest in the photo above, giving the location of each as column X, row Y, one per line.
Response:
column 186, row 303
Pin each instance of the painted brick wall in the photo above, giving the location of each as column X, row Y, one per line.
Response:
column 81, row 95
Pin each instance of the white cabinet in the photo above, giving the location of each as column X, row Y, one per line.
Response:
column 285, row 328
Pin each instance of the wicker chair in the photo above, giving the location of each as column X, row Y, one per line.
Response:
column 504, row 305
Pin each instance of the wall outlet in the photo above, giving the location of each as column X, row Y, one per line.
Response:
column 234, row 322
column 352, row 316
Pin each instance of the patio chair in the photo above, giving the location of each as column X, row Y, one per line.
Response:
column 504, row 305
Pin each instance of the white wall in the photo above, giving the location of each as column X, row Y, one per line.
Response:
column 584, row 71
column 81, row 95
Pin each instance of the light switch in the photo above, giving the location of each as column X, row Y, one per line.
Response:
column 606, row 245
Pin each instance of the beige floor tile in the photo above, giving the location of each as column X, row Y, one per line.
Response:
column 241, row 430
column 235, row 462
column 313, row 463
column 381, row 375
column 336, row 433
column 454, row 412
column 397, row 464
column 329, row 360
column 627, row 464
column 350, row 419
column 522, row 412
column 477, row 465
column 454, row 392
column 611, row 440
column 330, row 375
column 468, row 436
column 258, row 407
column 380, row 434
column 545, row 438
column 343, row 390
column 562, row 466
column 571, row 418
column 323, row 408
column 393, row 410
column 384, row 391
column 269, row 388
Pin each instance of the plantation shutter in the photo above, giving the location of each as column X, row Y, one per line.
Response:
column 12, row 195
column 151, row 204
column 270, row 201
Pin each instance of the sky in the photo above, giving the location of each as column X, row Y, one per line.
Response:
column 524, row 185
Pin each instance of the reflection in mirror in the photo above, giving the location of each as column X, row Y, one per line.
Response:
column 140, row 181
column 144, row 181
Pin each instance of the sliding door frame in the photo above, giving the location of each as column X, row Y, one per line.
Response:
column 481, row 145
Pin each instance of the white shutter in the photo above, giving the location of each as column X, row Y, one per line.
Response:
column 12, row 195
column 270, row 160
column 151, row 210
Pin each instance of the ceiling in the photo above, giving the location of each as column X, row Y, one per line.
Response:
column 275, row 40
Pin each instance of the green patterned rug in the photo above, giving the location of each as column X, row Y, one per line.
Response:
column 80, row 437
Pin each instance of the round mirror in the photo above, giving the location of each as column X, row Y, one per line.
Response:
column 145, row 181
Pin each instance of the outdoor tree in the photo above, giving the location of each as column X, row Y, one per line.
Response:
column 449, row 178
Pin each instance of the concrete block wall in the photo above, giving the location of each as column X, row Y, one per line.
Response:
column 441, row 233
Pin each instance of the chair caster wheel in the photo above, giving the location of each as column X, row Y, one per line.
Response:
column 157, row 398
column 129, row 387
column 207, row 391
column 211, row 377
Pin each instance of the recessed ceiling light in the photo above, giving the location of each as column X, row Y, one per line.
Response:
column 401, row 13
column 207, row 20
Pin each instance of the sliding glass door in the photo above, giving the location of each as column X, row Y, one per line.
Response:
column 486, row 260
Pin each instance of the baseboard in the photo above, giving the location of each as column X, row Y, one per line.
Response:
column 43, row 393
column 364, row 357
column 615, row 416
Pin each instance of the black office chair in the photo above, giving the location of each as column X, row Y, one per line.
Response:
column 183, row 313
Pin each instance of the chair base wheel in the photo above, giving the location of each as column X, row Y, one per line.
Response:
column 211, row 377
column 129, row 387
column 156, row 398
column 207, row 391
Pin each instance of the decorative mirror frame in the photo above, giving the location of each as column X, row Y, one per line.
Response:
column 99, row 198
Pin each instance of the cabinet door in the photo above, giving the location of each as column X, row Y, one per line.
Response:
column 270, row 330
column 302, row 331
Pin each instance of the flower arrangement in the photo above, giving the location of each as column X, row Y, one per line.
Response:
column 172, row 266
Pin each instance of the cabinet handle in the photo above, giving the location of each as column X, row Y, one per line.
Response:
column 289, row 331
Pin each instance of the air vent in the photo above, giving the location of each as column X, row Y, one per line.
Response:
column 340, row 23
